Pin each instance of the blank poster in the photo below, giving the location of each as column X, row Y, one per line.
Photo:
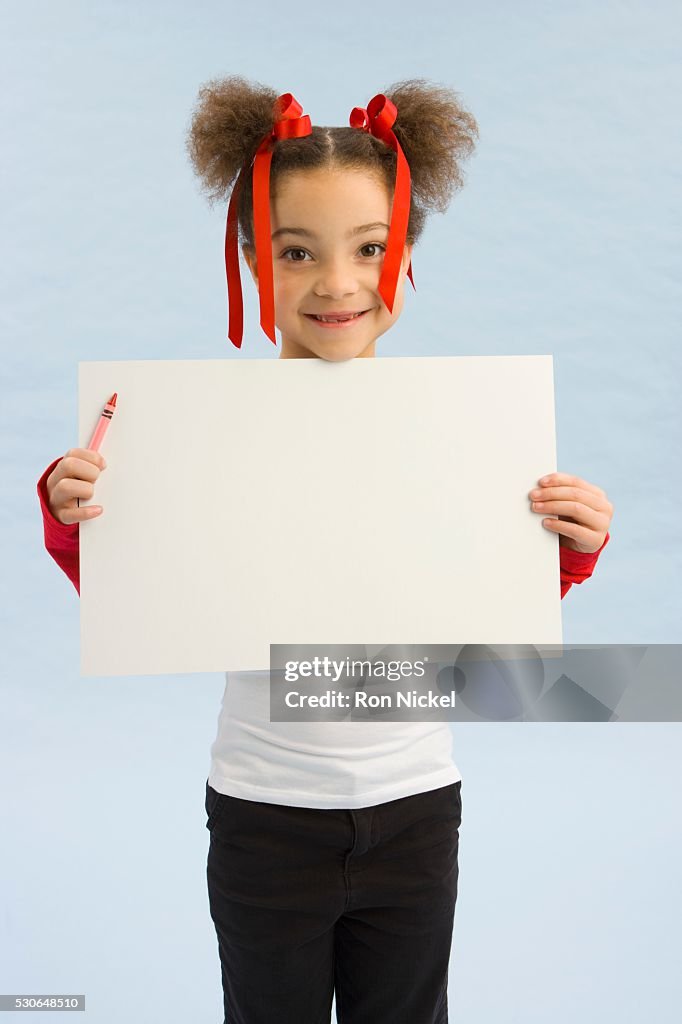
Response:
column 299, row 501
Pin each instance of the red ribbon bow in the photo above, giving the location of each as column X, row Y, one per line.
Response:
column 290, row 122
column 377, row 119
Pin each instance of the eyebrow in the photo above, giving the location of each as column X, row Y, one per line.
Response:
column 311, row 234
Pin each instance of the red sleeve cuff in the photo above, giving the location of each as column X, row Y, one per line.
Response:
column 61, row 539
column 580, row 560
column 577, row 566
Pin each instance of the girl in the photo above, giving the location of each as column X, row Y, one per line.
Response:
column 333, row 853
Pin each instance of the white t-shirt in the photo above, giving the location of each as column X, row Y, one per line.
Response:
column 326, row 764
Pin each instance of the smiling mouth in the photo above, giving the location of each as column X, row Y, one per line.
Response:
column 336, row 322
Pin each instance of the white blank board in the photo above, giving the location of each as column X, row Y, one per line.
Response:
column 300, row 501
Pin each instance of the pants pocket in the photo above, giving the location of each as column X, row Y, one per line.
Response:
column 454, row 793
column 213, row 804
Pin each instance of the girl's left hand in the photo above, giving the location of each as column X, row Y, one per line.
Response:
column 584, row 511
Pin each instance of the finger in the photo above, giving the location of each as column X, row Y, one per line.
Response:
column 575, row 510
column 76, row 468
column 68, row 516
column 580, row 534
column 554, row 479
column 68, row 488
column 566, row 493
column 87, row 455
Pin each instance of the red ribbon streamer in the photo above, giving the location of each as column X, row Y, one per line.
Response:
column 377, row 119
column 290, row 122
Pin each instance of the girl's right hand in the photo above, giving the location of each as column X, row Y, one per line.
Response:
column 72, row 478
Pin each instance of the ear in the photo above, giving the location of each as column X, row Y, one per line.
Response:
column 407, row 256
column 250, row 257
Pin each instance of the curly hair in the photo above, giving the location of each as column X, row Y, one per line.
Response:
column 232, row 115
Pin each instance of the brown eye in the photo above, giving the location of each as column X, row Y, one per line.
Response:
column 287, row 251
column 374, row 245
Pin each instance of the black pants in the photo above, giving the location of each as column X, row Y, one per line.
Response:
column 307, row 902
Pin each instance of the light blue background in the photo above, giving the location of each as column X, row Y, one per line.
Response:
column 563, row 240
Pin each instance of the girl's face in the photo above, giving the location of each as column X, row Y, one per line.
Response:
column 323, row 264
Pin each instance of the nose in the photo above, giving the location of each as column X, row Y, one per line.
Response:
column 336, row 280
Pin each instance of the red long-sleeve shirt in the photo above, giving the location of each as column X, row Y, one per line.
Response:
column 62, row 543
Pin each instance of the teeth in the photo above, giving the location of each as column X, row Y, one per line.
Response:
column 337, row 319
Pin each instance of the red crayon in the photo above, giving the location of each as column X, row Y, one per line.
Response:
column 103, row 424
